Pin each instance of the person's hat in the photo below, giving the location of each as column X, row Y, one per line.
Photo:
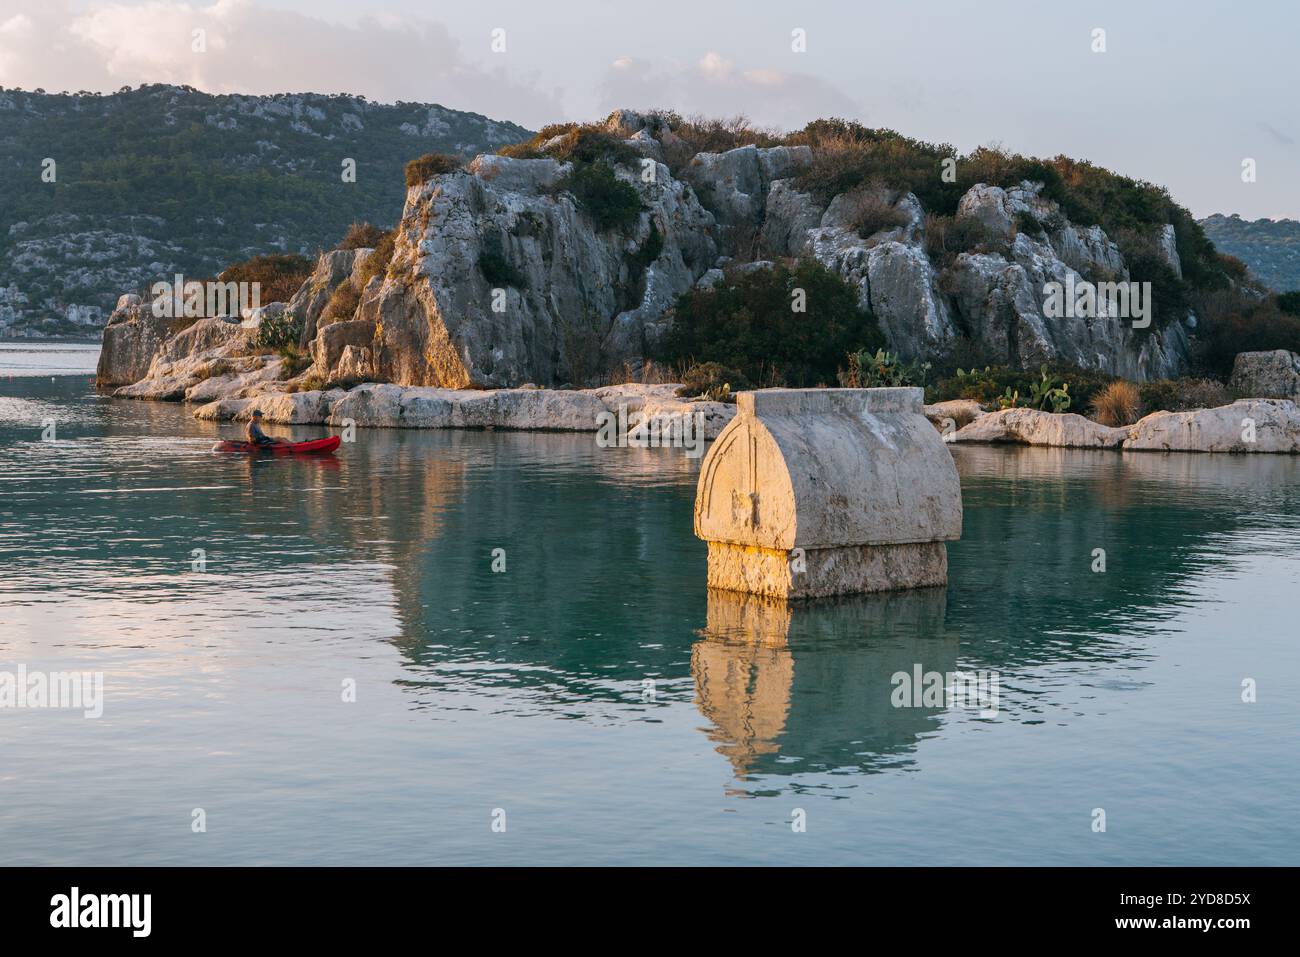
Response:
column 257, row 413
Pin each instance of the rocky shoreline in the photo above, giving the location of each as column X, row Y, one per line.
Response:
column 1245, row 426
column 387, row 406
column 208, row 365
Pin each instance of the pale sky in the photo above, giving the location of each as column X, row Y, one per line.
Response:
column 1184, row 92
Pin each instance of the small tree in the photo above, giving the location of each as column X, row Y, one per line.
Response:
column 751, row 323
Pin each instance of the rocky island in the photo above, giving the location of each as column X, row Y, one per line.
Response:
column 537, row 287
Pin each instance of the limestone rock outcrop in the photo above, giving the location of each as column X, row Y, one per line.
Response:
column 1032, row 427
column 626, row 408
column 333, row 268
column 131, row 339
column 500, row 275
column 574, row 299
column 953, row 414
column 1246, row 426
column 1268, row 375
column 189, row 357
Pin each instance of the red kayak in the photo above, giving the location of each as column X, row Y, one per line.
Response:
column 281, row 448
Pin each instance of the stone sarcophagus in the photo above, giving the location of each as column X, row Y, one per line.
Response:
column 811, row 492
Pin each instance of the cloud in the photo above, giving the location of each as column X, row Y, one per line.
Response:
column 714, row 86
column 243, row 48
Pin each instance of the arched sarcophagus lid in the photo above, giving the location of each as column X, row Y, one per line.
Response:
column 826, row 491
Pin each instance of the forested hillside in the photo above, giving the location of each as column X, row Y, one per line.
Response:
column 103, row 193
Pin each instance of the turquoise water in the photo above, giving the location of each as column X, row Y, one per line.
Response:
column 524, row 690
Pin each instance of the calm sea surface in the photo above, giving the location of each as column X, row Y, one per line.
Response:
column 593, row 694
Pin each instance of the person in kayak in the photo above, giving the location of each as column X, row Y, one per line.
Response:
column 255, row 433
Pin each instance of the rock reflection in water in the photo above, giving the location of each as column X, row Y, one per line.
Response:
column 792, row 687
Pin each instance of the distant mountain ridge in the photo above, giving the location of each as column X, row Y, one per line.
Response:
column 166, row 179
column 1271, row 248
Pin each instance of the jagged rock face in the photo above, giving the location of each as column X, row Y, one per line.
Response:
column 894, row 277
column 185, row 360
column 499, row 277
column 734, row 187
column 998, row 208
column 1168, row 247
column 1001, row 300
column 788, row 219
column 332, row 270
column 579, row 302
column 131, row 339
column 342, row 351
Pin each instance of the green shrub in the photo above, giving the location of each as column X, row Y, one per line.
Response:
column 580, row 144
column 881, row 370
column 342, row 304
column 1181, row 395
column 747, row 323
column 1289, row 302
column 497, row 269
column 650, row 250
column 610, row 202
column 428, row 166
column 279, row 276
column 847, row 155
column 712, row 380
column 993, row 383
column 1048, row 394
column 292, row 361
column 362, row 236
column 1232, row 321
column 1084, row 384
column 376, row 263
column 947, row 237
column 1027, row 223
column 278, row 331
column 580, row 352
column 1169, row 299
